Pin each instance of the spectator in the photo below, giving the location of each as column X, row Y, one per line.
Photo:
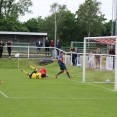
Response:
column 38, row 44
column 112, row 52
column 1, row 48
column 76, row 57
column 91, row 59
column 52, row 45
column 72, row 50
column 9, row 45
column 58, row 45
column 97, row 57
column 47, row 44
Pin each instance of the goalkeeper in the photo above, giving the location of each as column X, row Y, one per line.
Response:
column 35, row 74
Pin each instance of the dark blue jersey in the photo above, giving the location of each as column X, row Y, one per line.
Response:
column 60, row 60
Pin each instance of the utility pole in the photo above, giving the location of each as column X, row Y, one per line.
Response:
column 114, row 18
column 56, row 8
column 55, row 30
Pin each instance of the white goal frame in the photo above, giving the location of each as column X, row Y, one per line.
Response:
column 84, row 56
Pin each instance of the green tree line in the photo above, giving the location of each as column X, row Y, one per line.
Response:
column 87, row 21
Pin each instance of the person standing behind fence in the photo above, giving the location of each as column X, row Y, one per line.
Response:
column 1, row 48
column 38, row 44
column 76, row 57
column 112, row 52
column 58, row 45
column 47, row 44
column 9, row 45
column 52, row 45
column 72, row 50
column 97, row 57
column 91, row 59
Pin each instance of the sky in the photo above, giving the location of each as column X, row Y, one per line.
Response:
column 42, row 8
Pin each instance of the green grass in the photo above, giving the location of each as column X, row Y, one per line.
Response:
column 96, row 75
column 52, row 97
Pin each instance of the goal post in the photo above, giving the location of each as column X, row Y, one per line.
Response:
column 100, row 75
column 115, row 87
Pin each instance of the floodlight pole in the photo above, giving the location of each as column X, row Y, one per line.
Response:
column 112, row 26
column 55, row 33
column 114, row 18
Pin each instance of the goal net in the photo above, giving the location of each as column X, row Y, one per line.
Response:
column 99, row 65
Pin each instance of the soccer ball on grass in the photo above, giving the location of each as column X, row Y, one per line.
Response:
column 107, row 81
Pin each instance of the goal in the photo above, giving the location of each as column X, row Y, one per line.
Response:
column 100, row 67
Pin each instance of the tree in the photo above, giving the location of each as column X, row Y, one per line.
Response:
column 13, row 7
column 35, row 24
column 107, row 26
column 32, row 25
column 90, row 19
column 68, row 28
column 57, row 10
column 10, row 23
column 41, row 24
column 49, row 26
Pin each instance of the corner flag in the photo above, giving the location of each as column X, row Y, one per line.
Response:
column 17, row 55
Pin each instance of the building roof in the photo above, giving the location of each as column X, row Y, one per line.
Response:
column 22, row 33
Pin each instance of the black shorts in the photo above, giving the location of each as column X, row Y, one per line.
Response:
column 38, row 48
column 62, row 67
column 46, row 49
column 9, row 49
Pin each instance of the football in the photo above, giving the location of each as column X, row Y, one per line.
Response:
column 107, row 80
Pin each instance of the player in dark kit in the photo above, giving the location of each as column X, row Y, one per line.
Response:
column 62, row 65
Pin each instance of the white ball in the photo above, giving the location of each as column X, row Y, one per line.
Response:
column 107, row 80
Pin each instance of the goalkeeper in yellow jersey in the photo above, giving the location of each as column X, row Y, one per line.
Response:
column 35, row 74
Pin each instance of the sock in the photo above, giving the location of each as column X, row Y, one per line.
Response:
column 68, row 74
column 25, row 72
column 32, row 67
column 60, row 72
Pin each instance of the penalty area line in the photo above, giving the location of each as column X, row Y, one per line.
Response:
column 4, row 94
column 57, row 98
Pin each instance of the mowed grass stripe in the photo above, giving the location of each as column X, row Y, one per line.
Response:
column 52, row 97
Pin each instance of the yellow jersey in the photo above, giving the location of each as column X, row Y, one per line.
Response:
column 36, row 76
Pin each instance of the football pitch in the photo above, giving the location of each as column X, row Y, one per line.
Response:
column 51, row 97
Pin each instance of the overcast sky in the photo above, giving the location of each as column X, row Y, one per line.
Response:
column 42, row 8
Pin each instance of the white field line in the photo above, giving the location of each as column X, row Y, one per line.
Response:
column 4, row 94
column 51, row 98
